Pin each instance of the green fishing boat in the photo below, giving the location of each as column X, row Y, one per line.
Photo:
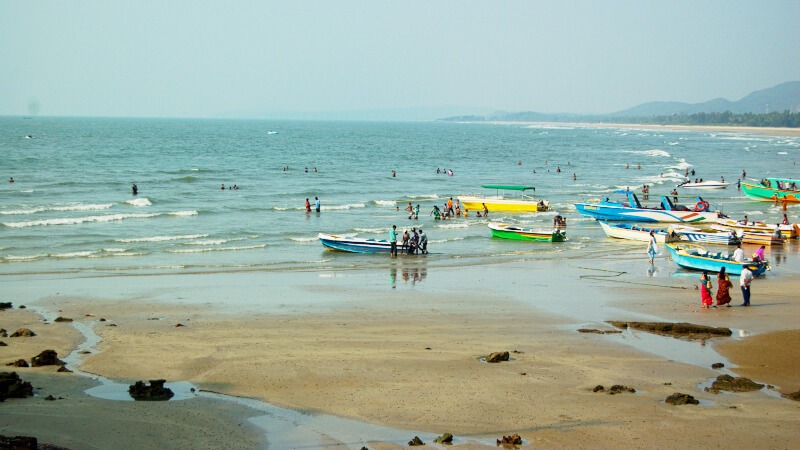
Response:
column 774, row 190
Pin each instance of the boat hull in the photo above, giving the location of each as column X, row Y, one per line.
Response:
column 354, row 245
column 705, row 185
column 765, row 194
column 696, row 257
column 622, row 231
column 506, row 231
column 788, row 231
column 761, row 239
column 696, row 235
column 626, row 214
column 503, row 205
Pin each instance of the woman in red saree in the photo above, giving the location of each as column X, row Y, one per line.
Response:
column 705, row 290
column 723, row 285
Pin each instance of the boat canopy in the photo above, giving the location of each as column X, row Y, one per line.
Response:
column 508, row 187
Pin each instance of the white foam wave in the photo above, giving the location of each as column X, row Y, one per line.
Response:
column 139, row 202
column 209, row 242
column 304, row 239
column 372, row 230
column 183, row 213
column 217, row 249
column 439, row 241
column 425, row 196
column 90, row 207
column 673, row 143
column 385, row 202
column 79, row 254
column 115, row 250
column 783, row 153
column 164, row 238
column 22, row 258
column 453, row 225
column 343, row 207
column 78, row 220
column 654, row 153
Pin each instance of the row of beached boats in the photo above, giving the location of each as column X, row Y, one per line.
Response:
column 680, row 239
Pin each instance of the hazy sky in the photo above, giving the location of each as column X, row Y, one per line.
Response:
column 203, row 58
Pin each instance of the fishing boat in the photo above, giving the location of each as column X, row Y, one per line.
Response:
column 791, row 230
column 633, row 211
column 774, row 190
column 696, row 257
column 762, row 238
column 508, row 231
column 693, row 234
column 635, row 233
column 356, row 245
column 504, row 200
column 710, row 184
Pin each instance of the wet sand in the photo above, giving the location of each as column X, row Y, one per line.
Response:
column 770, row 131
column 407, row 357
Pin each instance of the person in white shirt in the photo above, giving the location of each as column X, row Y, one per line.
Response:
column 738, row 254
column 744, row 282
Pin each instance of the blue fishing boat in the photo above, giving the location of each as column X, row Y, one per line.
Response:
column 354, row 245
column 633, row 211
column 696, row 257
column 692, row 234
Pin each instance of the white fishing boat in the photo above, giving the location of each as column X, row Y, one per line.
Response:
column 791, row 230
column 636, row 233
column 704, row 185
column 692, row 234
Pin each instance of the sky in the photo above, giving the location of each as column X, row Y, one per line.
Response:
column 233, row 58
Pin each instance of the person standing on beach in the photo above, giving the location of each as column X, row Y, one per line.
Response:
column 705, row 290
column 723, row 287
column 316, row 203
column 423, row 241
column 135, row 190
column 652, row 247
column 738, row 254
column 308, row 205
column 744, row 282
column 393, row 241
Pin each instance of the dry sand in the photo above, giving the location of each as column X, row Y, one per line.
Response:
column 412, row 362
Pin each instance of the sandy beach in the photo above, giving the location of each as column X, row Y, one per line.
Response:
column 407, row 357
column 769, row 131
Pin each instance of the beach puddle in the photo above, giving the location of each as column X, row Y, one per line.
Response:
column 697, row 353
column 109, row 390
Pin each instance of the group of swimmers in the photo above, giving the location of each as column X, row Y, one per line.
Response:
column 230, row 188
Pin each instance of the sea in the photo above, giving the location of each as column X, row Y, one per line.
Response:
column 71, row 212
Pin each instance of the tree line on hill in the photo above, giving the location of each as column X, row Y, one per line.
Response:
column 785, row 119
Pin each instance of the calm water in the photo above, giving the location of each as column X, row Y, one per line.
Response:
column 71, row 210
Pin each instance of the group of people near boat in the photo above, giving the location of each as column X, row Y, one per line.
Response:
column 724, row 285
column 414, row 243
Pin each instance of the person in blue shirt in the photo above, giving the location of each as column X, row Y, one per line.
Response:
column 316, row 203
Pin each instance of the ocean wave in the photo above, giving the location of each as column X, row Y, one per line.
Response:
column 77, row 254
column 783, row 153
column 78, row 220
column 424, row 196
column 440, row 241
column 453, row 225
column 673, row 143
column 79, row 207
column 23, row 258
column 183, row 213
column 144, row 201
column 372, row 230
column 209, row 242
column 343, row 207
column 115, row 250
column 656, row 153
column 163, row 238
column 385, row 202
column 304, row 239
column 216, row 249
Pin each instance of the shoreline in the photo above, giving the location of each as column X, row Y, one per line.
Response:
column 769, row 131
column 407, row 357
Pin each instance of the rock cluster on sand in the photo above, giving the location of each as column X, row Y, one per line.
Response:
column 615, row 389
column 18, row 363
column 681, row 399
column 11, row 386
column 46, row 358
column 682, row 329
column 497, row 357
column 62, row 319
column 717, row 366
column 415, row 442
column 514, row 439
column 446, row 438
column 729, row 383
column 155, row 392
column 23, row 332
column 792, row 396
column 5, row 305
column 596, row 331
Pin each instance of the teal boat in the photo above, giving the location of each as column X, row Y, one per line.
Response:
column 774, row 190
column 696, row 257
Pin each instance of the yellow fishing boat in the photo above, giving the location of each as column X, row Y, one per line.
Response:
column 505, row 200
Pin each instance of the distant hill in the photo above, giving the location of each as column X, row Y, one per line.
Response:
column 780, row 98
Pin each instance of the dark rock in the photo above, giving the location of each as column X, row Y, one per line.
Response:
column 681, row 399
column 618, row 389
column 11, row 386
column 63, row 369
column 50, row 398
column 3, row 332
column 19, row 363
column 19, row 442
column 155, row 392
column 497, row 357
column 599, row 388
column 446, row 438
column 85, row 352
column 6, row 305
column 717, row 366
column 590, row 330
column 427, row 348
column 21, row 306
column 102, row 319
column 62, row 319
column 179, row 325
column 514, row 439
column 3, row 344
column 112, row 325
column 729, row 383
column 687, row 330
column 23, row 332
column 792, row 396
column 415, row 442
column 46, row 358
